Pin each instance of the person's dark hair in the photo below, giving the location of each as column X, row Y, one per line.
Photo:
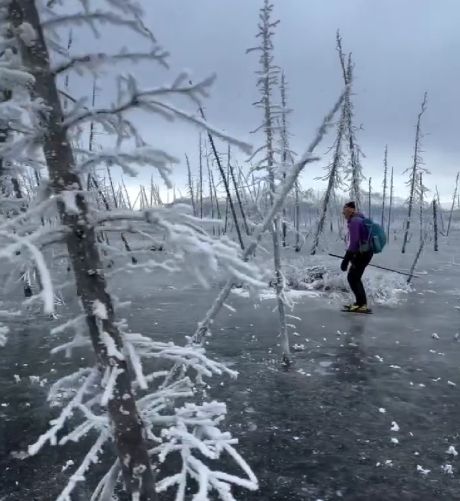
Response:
column 350, row 205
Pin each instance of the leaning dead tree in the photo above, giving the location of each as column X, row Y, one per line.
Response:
column 283, row 190
column 267, row 80
column 237, row 194
column 454, row 198
column 414, row 171
column 226, row 184
column 142, row 414
column 416, row 259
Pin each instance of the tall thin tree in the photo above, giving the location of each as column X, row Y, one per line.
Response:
column 355, row 171
column 369, row 210
column 390, row 207
column 384, row 194
column 84, row 257
column 267, row 79
column 414, row 172
column 435, row 224
column 440, row 212
column 200, row 174
column 191, row 190
column 454, row 197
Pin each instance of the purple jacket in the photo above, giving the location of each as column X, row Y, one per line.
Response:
column 357, row 231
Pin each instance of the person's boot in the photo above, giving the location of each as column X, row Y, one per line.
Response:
column 360, row 309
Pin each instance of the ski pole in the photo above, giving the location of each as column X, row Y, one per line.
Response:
column 381, row 267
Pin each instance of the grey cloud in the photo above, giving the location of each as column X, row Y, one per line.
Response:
column 400, row 47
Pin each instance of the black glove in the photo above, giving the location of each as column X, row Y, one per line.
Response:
column 346, row 261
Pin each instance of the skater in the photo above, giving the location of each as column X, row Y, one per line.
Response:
column 359, row 254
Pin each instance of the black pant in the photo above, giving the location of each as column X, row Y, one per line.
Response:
column 358, row 265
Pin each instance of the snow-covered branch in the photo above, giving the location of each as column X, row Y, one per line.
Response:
column 93, row 62
column 149, row 101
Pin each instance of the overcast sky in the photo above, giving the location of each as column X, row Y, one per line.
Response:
column 400, row 47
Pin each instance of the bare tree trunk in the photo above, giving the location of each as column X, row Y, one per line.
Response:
column 284, row 146
column 421, row 207
column 217, row 201
column 190, row 188
column 227, row 206
column 200, row 176
column 384, row 195
column 128, row 430
column 390, row 206
column 211, row 198
column 370, row 198
column 441, row 216
column 453, row 204
column 414, row 174
column 297, row 218
column 91, row 126
column 435, row 225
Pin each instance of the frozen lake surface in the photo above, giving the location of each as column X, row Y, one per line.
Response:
column 368, row 411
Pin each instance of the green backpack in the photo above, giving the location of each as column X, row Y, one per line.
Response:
column 377, row 237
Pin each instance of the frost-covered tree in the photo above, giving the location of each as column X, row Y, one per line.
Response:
column 268, row 75
column 287, row 156
column 344, row 130
column 354, row 172
column 332, row 177
column 149, row 416
column 414, row 173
